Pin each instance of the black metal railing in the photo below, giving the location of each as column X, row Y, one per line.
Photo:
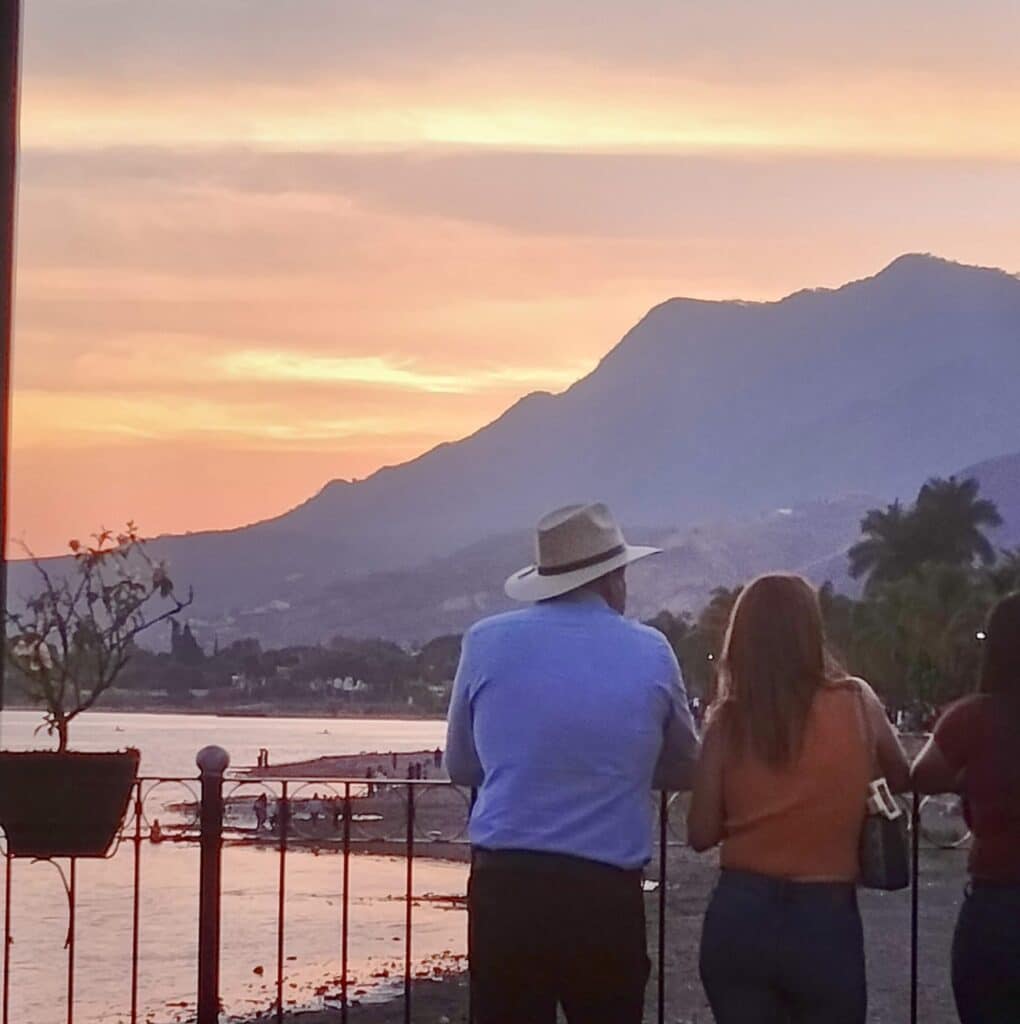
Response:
column 333, row 822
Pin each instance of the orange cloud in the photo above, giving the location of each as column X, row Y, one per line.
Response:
column 239, row 277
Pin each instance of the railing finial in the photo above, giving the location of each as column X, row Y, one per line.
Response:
column 212, row 760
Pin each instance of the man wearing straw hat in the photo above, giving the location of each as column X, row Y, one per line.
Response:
column 564, row 715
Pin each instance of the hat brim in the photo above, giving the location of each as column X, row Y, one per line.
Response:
column 529, row 585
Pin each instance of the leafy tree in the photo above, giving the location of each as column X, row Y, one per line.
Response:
column 1004, row 576
column 437, row 660
column 915, row 638
column 838, row 618
column 715, row 617
column 691, row 648
column 77, row 634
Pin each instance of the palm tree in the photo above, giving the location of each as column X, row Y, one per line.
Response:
column 945, row 526
column 888, row 549
column 951, row 518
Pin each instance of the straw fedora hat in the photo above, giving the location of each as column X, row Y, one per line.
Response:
column 574, row 545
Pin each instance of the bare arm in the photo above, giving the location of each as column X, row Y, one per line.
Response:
column 707, row 814
column 932, row 772
column 462, row 761
column 675, row 766
column 892, row 759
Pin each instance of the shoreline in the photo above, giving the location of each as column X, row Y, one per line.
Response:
column 256, row 711
column 441, row 999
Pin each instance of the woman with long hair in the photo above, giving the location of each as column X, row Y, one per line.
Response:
column 975, row 750
column 788, row 753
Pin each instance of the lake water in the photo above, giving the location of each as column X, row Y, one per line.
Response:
column 169, row 871
column 169, row 742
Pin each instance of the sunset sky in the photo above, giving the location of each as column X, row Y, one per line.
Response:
column 264, row 244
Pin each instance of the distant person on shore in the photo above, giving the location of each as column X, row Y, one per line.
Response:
column 782, row 784
column 316, row 809
column 976, row 750
column 565, row 714
column 437, row 758
column 261, row 808
column 156, row 832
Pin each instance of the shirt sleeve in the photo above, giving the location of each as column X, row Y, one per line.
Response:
column 462, row 762
column 955, row 733
column 679, row 752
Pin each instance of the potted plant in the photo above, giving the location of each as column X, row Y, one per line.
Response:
column 66, row 646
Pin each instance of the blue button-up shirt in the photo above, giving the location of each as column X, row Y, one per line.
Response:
column 563, row 715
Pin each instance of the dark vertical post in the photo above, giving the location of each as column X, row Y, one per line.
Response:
column 10, row 40
column 661, row 959
column 915, row 884
column 409, row 892
column 471, row 1001
column 212, row 763
column 72, row 903
column 136, row 901
column 346, row 905
column 283, row 818
column 8, row 861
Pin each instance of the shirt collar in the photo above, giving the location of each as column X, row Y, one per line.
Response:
column 582, row 597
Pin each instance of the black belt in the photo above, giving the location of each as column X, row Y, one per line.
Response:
column 548, row 863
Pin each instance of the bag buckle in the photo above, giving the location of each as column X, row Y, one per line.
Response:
column 881, row 800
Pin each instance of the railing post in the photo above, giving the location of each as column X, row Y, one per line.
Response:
column 915, row 889
column 661, row 951
column 212, row 763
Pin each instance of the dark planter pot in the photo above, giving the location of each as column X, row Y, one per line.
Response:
column 64, row 805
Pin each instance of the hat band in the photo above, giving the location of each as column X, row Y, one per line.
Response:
column 582, row 563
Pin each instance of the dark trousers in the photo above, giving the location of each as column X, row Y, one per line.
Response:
column 779, row 952
column 546, row 930
column 986, row 955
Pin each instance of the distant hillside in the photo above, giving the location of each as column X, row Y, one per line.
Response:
column 1000, row 481
column 448, row 594
column 705, row 411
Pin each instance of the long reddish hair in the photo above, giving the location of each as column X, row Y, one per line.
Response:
column 773, row 662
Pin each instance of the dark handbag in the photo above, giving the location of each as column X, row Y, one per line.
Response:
column 884, row 850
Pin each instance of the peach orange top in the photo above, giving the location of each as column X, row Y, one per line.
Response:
column 802, row 822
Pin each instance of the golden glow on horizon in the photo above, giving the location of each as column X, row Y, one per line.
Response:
column 377, row 370
column 573, row 109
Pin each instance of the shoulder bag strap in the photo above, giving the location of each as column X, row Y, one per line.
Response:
column 880, row 797
column 867, row 729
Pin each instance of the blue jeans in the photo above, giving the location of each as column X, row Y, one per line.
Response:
column 986, row 955
column 779, row 952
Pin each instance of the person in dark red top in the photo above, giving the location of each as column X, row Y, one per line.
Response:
column 975, row 750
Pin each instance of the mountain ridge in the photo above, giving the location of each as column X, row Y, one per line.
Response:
column 703, row 410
